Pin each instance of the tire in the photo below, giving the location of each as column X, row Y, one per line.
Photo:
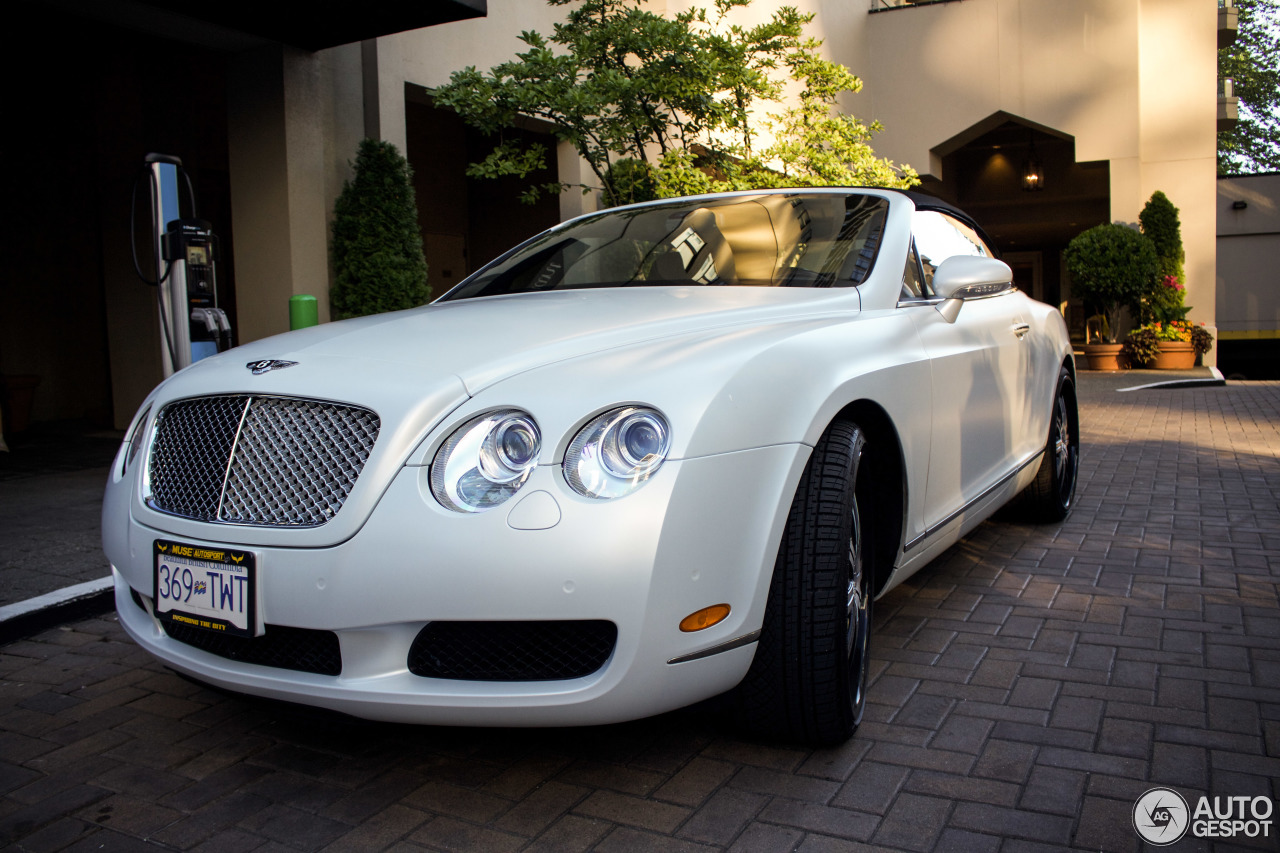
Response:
column 808, row 680
column 1051, row 495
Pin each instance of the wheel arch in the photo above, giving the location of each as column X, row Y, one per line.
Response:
column 889, row 479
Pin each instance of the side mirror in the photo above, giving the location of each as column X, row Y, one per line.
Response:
column 968, row 277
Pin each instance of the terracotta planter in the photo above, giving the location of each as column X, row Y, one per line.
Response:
column 1175, row 355
column 1105, row 356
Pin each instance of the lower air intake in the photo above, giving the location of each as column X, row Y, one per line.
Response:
column 299, row 649
column 512, row 651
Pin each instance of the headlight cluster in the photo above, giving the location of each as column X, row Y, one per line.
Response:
column 487, row 460
column 617, row 452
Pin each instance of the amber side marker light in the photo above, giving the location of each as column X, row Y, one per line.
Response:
column 704, row 618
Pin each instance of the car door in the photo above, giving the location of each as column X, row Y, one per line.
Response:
column 976, row 361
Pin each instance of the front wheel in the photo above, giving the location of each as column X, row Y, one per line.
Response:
column 808, row 680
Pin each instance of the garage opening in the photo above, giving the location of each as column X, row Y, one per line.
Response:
column 985, row 171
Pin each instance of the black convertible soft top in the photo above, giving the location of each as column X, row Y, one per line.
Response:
column 924, row 201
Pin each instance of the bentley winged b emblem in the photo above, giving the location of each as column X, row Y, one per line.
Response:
column 260, row 367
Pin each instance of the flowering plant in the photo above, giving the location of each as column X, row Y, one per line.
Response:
column 1201, row 339
column 1174, row 330
column 1143, row 343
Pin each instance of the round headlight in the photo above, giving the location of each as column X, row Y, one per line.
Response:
column 617, row 451
column 485, row 461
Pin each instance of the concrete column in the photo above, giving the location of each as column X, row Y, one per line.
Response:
column 391, row 77
column 1178, row 114
column 294, row 120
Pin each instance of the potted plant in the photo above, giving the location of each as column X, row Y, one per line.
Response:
column 1162, row 346
column 1163, row 307
column 1111, row 268
column 1201, row 340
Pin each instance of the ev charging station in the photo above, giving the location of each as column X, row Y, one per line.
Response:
column 192, row 326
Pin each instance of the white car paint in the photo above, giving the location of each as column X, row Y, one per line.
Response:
column 748, row 377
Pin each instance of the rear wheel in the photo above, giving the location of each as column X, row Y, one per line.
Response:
column 808, row 680
column 1051, row 495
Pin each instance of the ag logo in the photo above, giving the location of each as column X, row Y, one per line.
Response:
column 1160, row 816
column 260, row 367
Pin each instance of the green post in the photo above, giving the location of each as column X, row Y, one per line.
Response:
column 303, row 312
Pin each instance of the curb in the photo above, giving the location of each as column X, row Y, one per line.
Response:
column 1216, row 381
column 25, row 618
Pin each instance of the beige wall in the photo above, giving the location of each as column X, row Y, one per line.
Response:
column 1132, row 81
column 1248, row 245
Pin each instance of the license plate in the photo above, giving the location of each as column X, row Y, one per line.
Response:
column 206, row 587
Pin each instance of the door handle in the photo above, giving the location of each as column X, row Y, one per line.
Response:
column 1021, row 329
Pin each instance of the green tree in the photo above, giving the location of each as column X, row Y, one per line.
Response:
column 1253, row 63
column 666, row 106
column 1161, row 225
column 1111, row 267
column 377, row 247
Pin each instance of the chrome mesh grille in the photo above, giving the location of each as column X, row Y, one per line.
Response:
column 271, row 461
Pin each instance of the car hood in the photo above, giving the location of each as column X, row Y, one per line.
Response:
column 413, row 368
column 482, row 341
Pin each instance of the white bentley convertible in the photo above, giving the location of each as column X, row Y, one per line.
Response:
column 654, row 455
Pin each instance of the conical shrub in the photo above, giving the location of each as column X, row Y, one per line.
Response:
column 377, row 247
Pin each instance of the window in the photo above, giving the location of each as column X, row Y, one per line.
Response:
column 913, row 284
column 939, row 236
column 765, row 240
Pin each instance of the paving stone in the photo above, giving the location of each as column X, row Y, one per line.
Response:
column 873, row 789
column 826, row 820
column 695, row 781
column 723, row 817
column 130, row 815
column 959, row 788
column 764, row 838
column 624, row 840
column 1028, row 687
column 448, row 833
column 764, row 781
column 913, row 823
column 633, row 811
column 535, row 812
column 58, row 835
column 1106, row 825
column 571, row 833
column 1013, row 823
column 962, row 733
column 1005, row 760
column 204, row 822
column 1053, row 790
column 294, row 827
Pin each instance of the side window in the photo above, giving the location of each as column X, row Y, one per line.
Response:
column 913, row 284
column 938, row 237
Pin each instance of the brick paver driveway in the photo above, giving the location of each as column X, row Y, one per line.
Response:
column 1028, row 688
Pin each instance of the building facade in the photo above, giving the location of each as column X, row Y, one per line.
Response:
column 1112, row 99
column 1248, row 310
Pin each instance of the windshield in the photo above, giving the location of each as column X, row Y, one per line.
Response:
column 767, row 240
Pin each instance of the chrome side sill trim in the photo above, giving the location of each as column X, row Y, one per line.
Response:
column 744, row 640
column 919, row 540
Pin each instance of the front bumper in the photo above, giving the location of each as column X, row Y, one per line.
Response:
column 701, row 532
